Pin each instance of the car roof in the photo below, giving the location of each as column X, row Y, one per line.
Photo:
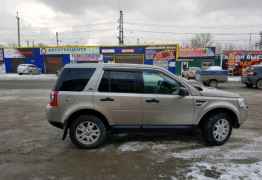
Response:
column 109, row 65
column 26, row 64
column 257, row 65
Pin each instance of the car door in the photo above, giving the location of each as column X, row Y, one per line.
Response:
column 119, row 97
column 162, row 103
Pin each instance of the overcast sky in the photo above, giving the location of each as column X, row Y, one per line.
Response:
column 145, row 21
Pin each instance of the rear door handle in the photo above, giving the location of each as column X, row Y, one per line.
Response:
column 107, row 99
column 153, row 100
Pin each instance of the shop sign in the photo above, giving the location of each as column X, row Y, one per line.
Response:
column 127, row 50
column 185, row 60
column 69, row 50
column 108, row 51
column 85, row 57
column 160, row 53
column 17, row 53
column 243, row 58
column 196, row 52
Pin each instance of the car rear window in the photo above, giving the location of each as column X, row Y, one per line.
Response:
column 74, row 79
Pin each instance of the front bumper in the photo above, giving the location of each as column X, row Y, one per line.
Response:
column 243, row 116
column 248, row 80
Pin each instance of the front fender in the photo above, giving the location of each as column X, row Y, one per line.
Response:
column 217, row 105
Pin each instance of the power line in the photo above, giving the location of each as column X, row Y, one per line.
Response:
column 188, row 33
column 196, row 26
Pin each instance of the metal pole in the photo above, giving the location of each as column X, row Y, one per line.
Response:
column 18, row 29
column 121, row 29
column 57, row 39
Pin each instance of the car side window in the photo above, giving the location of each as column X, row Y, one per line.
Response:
column 158, row 83
column 120, row 81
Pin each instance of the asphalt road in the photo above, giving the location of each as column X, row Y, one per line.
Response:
column 32, row 149
column 26, row 84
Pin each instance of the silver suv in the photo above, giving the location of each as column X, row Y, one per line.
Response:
column 91, row 100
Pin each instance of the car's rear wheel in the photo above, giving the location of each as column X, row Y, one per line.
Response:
column 259, row 84
column 213, row 83
column 248, row 85
column 217, row 129
column 87, row 132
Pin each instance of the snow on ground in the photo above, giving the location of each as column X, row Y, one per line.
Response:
column 133, row 146
column 234, row 78
column 28, row 77
column 225, row 171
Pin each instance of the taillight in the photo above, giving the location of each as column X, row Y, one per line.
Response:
column 54, row 98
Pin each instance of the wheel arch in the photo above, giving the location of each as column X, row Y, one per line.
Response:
column 74, row 115
column 230, row 112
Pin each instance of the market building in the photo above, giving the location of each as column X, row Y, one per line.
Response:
column 51, row 59
column 197, row 57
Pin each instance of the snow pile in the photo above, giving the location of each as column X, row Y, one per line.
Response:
column 227, row 152
column 133, row 146
column 224, row 171
column 28, row 77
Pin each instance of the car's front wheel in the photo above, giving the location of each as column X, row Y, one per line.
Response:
column 87, row 132
column 217, row 129
column 259, row 84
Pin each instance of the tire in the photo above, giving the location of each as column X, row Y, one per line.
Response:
column 98, row 131
column 210, row 129
column 249, row 85
column 20, row 74
column 212, row 83
column 259, row 84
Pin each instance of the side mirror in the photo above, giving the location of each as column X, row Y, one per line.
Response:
column 183, row 91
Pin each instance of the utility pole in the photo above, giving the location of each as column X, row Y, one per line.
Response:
column 57, row 39
column 250, row 39
column 121, row 29
column 18, row 29
column 27, row 43
column 260, row 42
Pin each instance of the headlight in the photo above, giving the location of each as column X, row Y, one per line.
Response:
column 241, row 102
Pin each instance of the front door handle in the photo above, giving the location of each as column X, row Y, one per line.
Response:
column 153, row 100
column 107, row 99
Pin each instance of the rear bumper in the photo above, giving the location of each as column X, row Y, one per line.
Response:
column 53, row 117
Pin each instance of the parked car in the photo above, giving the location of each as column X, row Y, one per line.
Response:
column 190, row 73
column 253, row 76
column 28, row 69
column 212, row 76
column 91, row 100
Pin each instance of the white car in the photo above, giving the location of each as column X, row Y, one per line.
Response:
column 27, row 69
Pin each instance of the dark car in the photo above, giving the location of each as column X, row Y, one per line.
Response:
column 253, row 76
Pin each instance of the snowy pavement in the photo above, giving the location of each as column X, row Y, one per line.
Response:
column 27, row 77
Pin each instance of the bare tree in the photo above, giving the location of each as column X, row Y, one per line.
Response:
column 201, row 40
column 230, row 47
